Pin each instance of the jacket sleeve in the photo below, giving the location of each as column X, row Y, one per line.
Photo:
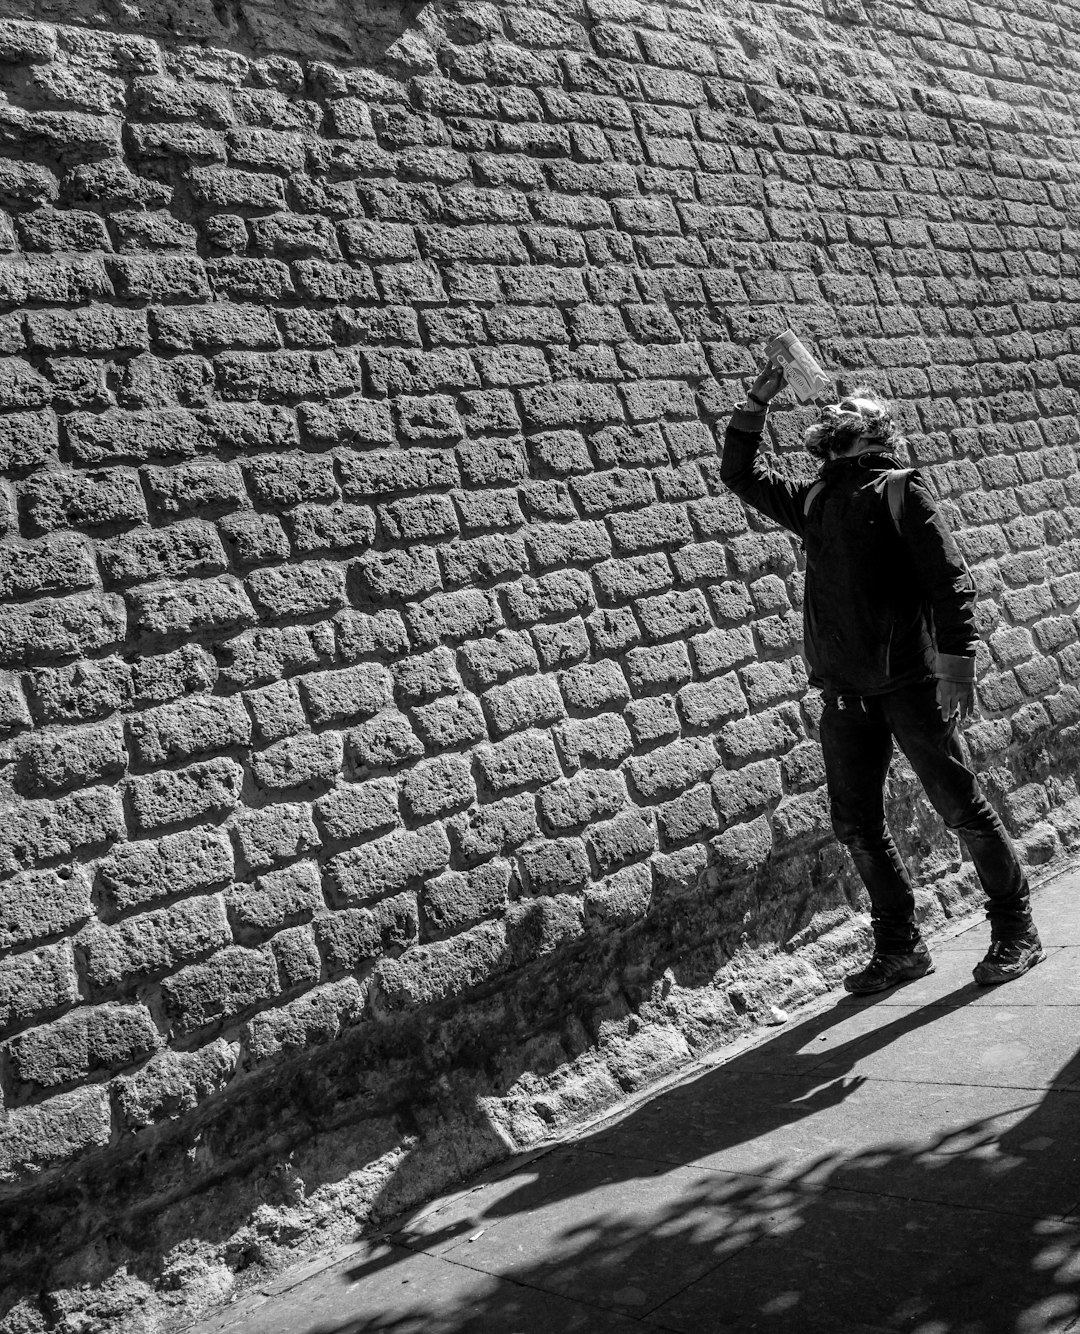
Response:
column 744, row 471
column 946, row 583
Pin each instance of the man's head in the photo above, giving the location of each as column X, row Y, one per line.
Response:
column 856, row 422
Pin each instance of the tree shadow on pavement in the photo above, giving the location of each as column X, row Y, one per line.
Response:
column 784, row 1191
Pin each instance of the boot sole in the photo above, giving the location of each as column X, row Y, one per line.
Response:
column 1011, row 977
column 896, row 981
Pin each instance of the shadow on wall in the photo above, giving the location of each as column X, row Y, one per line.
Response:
column 964, row 1232
column 345, row 31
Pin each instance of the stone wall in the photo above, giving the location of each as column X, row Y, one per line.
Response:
column 406, row 750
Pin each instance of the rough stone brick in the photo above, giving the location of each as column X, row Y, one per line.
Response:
column 88, row 1040
column 657, row 668
column 59, row 627
column 591, row 687
column 417, row 517
column 158, row 678
column 54, row 829
column 398, row 576
column 81, row 500
column 384, row 866
column 770, row 732
column 277, row 711
column 360, row 635
column 561, row 645
column 58, row 563
column 189, row 727
column 450, row 722
column 562, row 593
column 455, row 616
column 456, row 900
column 37, row 983
column 116, row 957
column 385, row 742
column 288, row 592
column 426, row 676
column 190, row 548
column 672, row 769
column 172, row 1084
column 528, row 701
column 347, row 421
column 570, row 403
column 747, row 790
column 308, row 1021
column 691, row 816
column 95, row 329
column 51, row 761
column 558, row 866
column 193, row 607
column 38, row 904
column 629, row 837
column 519, row 761
column 211, row 787
column 27, row 440
column 652, row 528
column 232, row 981
column 138, row 873
column 653, row 719
column 430, row 973
column 355, row 810
column 766, row 682
column 579, row 801
column 671, row 614
column 719, row 650
column 298, row 760
column 604, row 739
column 438, row 787
column 40, row 1136
column 706, row 703
column 354, row 936
column 276, row 900
column 355, row 692
column 275, row 834
column 190, row 487
column 119, row 435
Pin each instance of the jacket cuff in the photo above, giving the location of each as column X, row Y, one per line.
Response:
column 954, row 667
column 749, row 419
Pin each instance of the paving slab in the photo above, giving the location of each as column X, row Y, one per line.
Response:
column 893, row 1264
column 392, row 1290
column 996, row 1148
column 619, row 1236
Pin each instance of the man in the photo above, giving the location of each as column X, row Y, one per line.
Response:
column 889, row 635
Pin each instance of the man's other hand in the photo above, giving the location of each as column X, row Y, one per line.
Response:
column 956, row 699
column 768, row 384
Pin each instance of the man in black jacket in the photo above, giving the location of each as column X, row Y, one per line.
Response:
column 889, row 636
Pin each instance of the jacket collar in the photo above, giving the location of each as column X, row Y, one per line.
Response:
column 874, row 460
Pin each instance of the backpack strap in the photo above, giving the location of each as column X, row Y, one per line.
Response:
column 811, row 496
column 893, row 486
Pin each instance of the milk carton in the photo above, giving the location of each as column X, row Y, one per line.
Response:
column 806, row 378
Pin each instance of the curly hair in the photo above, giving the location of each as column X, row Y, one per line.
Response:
column 839, row 425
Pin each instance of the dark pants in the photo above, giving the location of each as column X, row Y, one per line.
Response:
column 857, row 735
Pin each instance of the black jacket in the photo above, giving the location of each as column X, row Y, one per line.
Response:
column 881, row 609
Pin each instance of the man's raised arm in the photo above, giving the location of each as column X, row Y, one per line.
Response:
column 744, row 471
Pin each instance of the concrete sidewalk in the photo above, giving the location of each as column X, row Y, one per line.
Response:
column 908, row 1162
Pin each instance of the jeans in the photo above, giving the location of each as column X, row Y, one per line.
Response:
column 857, row 734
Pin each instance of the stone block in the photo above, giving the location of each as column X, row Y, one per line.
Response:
column 171, row 1084
column 389, row 865
column 289, row 592
column 387, row 741
column 527, row 701
column 81, row 500
column 352, row 937
column 36, row 983
column 345, row 695
column 60, row 562
column 457, row 900
column 211, row 787
column 522, row 760
column 115, row 958
column 51, row 761
column 430, row 973
column 196, row 606
column 44, row 1135
column 59, row 627
column 354, row 811
column 438, row 787
column 85, row 1042
column 308, row 1021
column 557, row 866
column 276, row 900
column 189, row 727
column 297, row 761
column 232, row 981
column 449, row 722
